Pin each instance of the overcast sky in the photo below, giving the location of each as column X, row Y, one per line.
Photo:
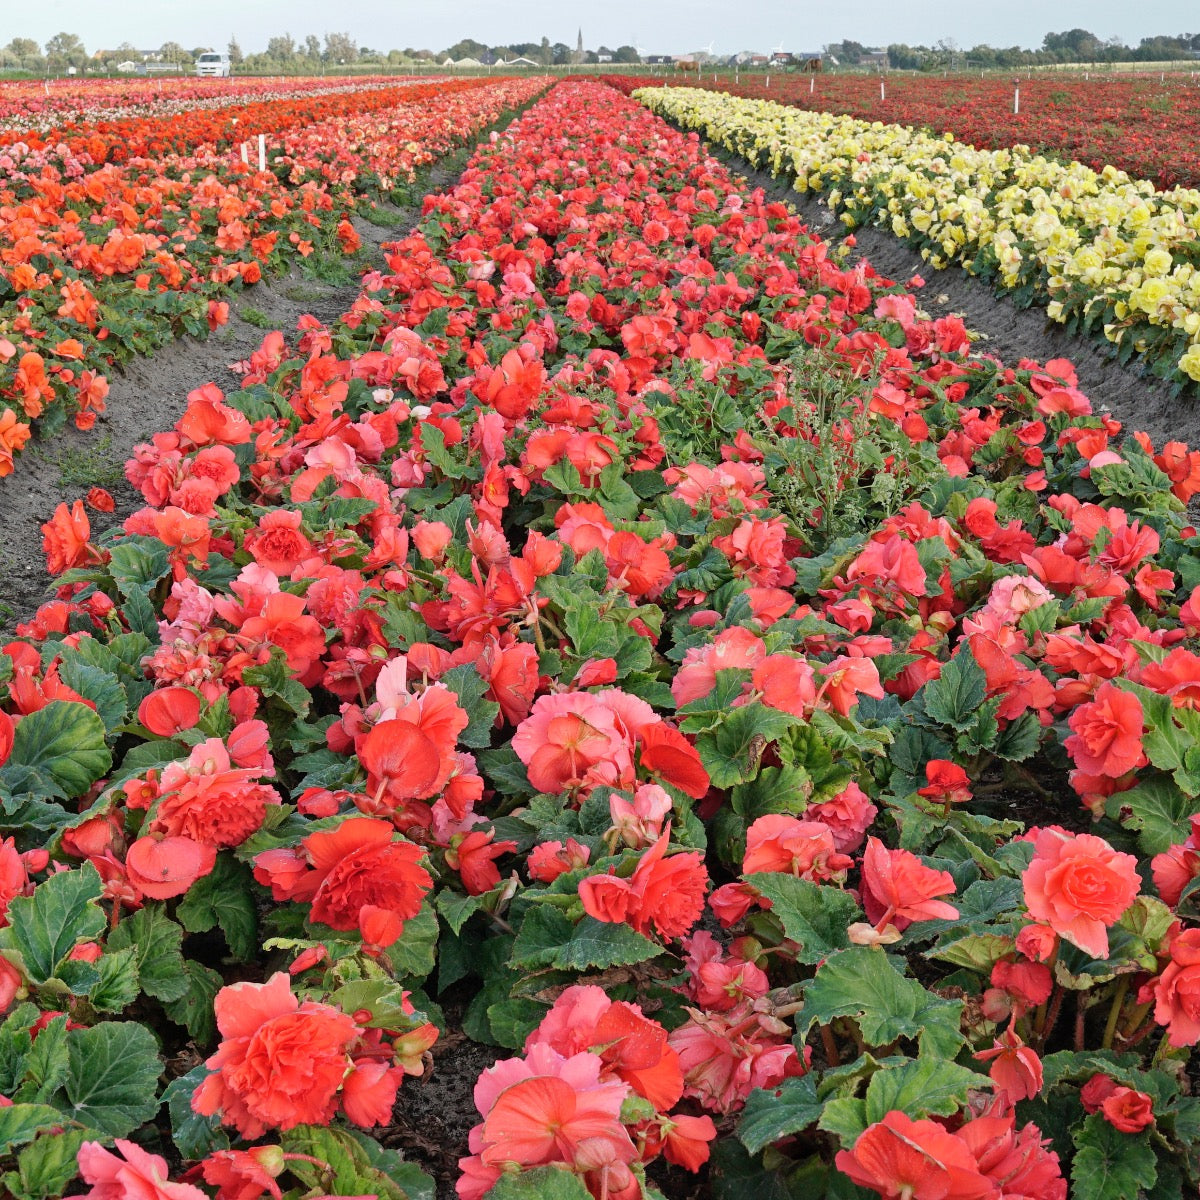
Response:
column 659, row 26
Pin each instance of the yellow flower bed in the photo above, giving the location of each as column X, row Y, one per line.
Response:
column 1103, row 251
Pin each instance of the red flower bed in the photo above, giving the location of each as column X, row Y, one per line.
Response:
column 118, row 140
column 770, row 723
column 1147, row 128
column 40, row 105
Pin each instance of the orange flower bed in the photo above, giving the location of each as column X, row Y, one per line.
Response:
column 103, row 259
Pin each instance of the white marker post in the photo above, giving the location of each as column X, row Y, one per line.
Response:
column 812, row 83
column 245, row 155
column 1017, row 98
column 882, row 90
column 262, row 151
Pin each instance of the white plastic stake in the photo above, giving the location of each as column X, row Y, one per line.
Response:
column 245, row 155
column 812, row 83
column 882, row 90
column 1016, row 99
column 262, row 151
column 768, row 79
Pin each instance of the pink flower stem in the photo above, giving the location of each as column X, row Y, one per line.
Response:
column 821, row 693
column 358, row 683
column 308, row 1158
column 1139, row 1028
column 1080, row 1018
column 1048, row 1015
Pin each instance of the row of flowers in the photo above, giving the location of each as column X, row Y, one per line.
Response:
column 99, row 262
column 105, row 135
column 38, row 106
column 1104, row 253
column 635, row 627
column 1146, row 125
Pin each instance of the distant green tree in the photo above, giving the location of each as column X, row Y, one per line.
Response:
column 1163, row 49
column 282, row 48
column 1013, row 56
column 65, row 50
column 125, row 52
column 902, row 57
column 847, row 52
column 23, row 47
column 467, row 48
column 1074, row 45
column 340, row 48
column 236, row 57
column 529, row 50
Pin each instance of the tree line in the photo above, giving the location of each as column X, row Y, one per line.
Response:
column 1070, row 46
column 285, row 54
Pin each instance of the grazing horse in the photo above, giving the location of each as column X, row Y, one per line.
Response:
column 688, row 65
column 813, row 66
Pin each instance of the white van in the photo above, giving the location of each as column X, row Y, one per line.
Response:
column 213, row 64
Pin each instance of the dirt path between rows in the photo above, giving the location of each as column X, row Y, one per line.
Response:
column 1134, row 397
